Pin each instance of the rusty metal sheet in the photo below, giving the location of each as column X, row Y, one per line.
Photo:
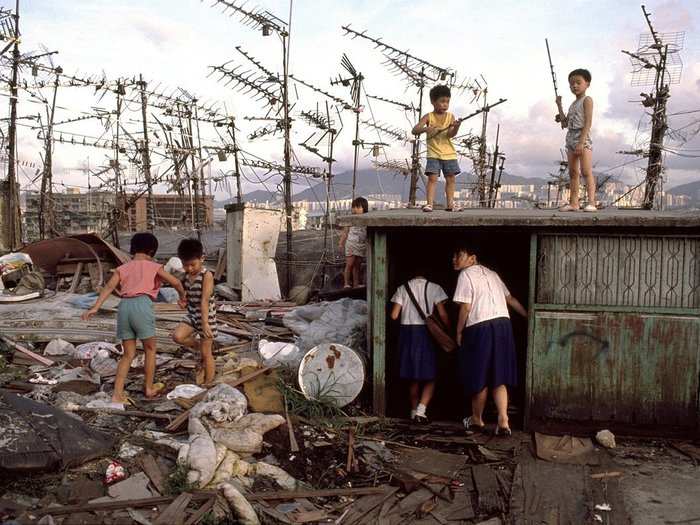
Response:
column 46, row 254
column 105, row 250
column 626, row 368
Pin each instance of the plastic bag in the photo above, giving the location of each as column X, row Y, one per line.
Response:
column 90, row 350
column 275, row 354
column 184, row 391
column 104, row 364
column 222, row 403
column 59, row 347
column 342, row 322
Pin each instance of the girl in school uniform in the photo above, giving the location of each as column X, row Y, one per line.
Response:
column 418, row 355
column 486, row 357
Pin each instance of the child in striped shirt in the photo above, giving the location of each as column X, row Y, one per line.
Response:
column 200, row 319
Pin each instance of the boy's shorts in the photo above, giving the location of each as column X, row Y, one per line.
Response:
column 135, row 318
column 448, row 167
column 573, row 136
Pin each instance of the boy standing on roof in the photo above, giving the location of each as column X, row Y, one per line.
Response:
column 440, row 126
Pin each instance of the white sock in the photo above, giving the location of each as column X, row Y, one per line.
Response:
column 420, row 410
column 413, row 414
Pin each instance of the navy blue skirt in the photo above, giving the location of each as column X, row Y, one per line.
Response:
column 418, row 357
column 487, row 356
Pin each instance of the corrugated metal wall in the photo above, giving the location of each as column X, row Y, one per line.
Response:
column 616, row 329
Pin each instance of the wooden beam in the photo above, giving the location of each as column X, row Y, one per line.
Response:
column 120, row 504
column 39, row 358
column 377, row 298
column 320, row 493
column 531, row 300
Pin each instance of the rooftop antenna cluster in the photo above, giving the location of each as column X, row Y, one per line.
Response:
column 418, row 74
column 657, row 64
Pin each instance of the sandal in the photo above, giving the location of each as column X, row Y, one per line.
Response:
column 427, row 208
column 503, row 431
column 471, row 427
column 590, row 208
column 568, row 207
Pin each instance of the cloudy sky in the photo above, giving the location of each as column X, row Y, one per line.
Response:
column 174, row 41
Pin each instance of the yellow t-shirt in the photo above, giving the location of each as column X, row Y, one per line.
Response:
column 440, row 145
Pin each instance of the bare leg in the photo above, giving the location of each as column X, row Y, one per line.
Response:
column 184, row 335
column 149, row 366
column 430, row 188
column 357, row 272
column 449, row 190
column 500, row 397
column 478, row 405
column 575, row 175
column 129, row 347
column 427, row 394
column 587, row 170
column 207, row 360
column 347, row 274
column 415, row 394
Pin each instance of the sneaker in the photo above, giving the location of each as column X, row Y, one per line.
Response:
column 590, row 208
column 427, row 208
column 421, row 420
column 469, row 425
column 568, row 207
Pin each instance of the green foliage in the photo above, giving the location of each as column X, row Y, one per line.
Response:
column 177, row 481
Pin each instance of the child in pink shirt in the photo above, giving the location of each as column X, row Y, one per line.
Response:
column 139, row 281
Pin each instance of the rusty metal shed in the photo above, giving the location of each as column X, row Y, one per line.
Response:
column 613, row 335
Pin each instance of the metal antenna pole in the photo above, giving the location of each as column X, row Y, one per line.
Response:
column 47, row 223
column 288, row 209
column 493, row 168
column 194, row 182
column 415, row 150
column 117, row 178
column 202, row 178
column 481, row 184
column 146, row 159
column 232, row 128
column 15, row 225
column 659, row 125
column 356, row 143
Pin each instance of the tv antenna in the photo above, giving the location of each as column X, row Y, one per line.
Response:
column 656, row 64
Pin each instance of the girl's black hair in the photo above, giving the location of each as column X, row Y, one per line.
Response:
column 144, row 242
column 439, row 91
column 360, row 202
column 190, row 249
column 584, row 73
column 470, row 248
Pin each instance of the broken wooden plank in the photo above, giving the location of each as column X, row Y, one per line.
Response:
column 201, row 512
column 293, row 445
column 366, row 505
column 607, row 492
column 125, row 413
column 117, row 505
column 152, row 470
column 545, row 492
column 36, row 357
column 487, row 490
column 174, row 514
column 313, row 493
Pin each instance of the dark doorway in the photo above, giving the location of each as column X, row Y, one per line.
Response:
column 507, row 252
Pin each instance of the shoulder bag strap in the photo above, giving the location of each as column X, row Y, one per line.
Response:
column 413, row 300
